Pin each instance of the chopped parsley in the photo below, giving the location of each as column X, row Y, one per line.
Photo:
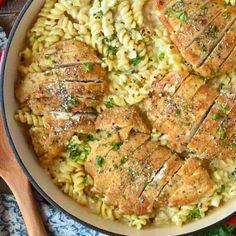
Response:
column 107, row 135
column 99, row 161
column 194, row 214
column 90, row 137
column 181, row 15
column 72, row 101
column 222, row 133
column 88, row 67
column 216, row 116
column 162, row 56
column 203, row 48
column 112, row 49
column 123, row 160
column 178, row 112
column 227, row 15
column 223, row 109
column 98, row 15
column 74, row 152
column 234, row 174
column 136, row 61
column 116, row 166
column 116, row 146
column 109, row 103
column 222, row 188
column 233, row 144
column 211, row 33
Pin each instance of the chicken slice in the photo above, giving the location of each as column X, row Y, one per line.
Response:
column 193, row 188
column 189, row 167
column 163, row 91
column 206, row 38
column 221, row 52
column 187, row 22
column 202, row 47
column 114, row 161
column 33, row 81
column 78, row 123
column 159, row 181
column 150, row 159
column 66, row 96
column 222, row 143
column 99, row 151
column 121, row 117
column 48, row 143
column 66, row 53
column 71, row 104
column 222, row 107
column 229, row 63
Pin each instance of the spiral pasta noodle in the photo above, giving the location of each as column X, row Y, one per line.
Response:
column 29, row 119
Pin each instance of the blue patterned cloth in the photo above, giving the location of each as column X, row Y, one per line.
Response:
column 56, row 222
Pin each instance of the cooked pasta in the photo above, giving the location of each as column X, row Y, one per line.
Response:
column 29, row 119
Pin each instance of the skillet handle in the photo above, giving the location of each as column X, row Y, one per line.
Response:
column 21, row 188
column 22, row 191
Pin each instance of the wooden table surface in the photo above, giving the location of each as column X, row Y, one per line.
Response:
column 9, row 12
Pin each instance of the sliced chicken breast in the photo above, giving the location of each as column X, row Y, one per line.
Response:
column 49, row 143
column 78, row 123
column 121, row 117
column 205, row 38
column 180, row 115
column 66, row 53
column 200, row 141
column 222, row 143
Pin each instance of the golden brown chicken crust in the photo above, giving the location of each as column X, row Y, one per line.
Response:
column 65, row 53
column 48, row 143
column 122, row 117
column 222, row 107
column 205, row 38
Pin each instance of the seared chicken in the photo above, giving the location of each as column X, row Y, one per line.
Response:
column 33, row 81
column 66, row 53
column 179, row 115
column 65, row 95
column 49, row 143
column 122, row 117
column 133, row 173
column 204, row 32
column 210, row 127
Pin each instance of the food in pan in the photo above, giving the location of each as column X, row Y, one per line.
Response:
column 130, row 105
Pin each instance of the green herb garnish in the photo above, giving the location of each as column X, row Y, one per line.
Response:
column 178, row 112
column 109, row 103
column 227, row 15
column 112, row 49
column 234, row 174
column 216, row 116
column 123, row 160
column 98, row 15
column 116, row 146
column 162, row 56
column 72, row 101
column 136, row 61
column 99, row 161
column 194, row 214
column 88, row 67
column 181, row 15
column 211, row 33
